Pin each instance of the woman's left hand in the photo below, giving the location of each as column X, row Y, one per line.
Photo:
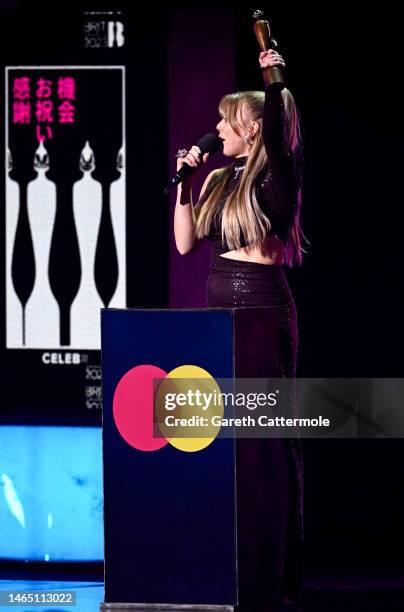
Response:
column 271, row 58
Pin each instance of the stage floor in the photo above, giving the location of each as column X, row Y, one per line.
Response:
column 318, row 596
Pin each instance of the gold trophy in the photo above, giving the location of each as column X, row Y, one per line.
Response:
column 272, row 74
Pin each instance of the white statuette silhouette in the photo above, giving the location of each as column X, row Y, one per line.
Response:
column 42, row 310
column 14, row 321
column 87, row 208
column 118, row 216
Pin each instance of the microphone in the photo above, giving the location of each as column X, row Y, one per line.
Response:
column 210, row 143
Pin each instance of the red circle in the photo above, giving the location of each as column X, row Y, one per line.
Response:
column 133, row 407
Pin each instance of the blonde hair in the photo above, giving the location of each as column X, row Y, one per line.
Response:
column 242, row 213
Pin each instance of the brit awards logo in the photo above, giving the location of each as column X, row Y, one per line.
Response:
column 102, row 30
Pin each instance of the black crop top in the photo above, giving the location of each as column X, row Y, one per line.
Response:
column 276, row 185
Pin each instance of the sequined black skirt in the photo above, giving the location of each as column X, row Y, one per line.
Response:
column 234, row 283
column 269, row 471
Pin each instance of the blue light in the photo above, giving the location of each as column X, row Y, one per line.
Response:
column 51, row 493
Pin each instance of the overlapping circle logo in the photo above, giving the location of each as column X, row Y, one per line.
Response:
column 134, row 408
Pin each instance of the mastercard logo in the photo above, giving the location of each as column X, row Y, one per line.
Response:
column 138, row 404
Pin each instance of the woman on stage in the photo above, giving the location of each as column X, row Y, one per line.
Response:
column 250, row 210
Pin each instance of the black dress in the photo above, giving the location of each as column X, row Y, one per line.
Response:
column 269, row 471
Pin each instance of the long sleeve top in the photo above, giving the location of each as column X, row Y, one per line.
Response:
column 276, row 185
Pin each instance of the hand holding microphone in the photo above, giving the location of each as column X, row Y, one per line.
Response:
column 193, row 159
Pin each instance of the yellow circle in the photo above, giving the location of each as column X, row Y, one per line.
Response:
column 194, row 398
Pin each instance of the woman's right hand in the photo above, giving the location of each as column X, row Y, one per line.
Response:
column 193, row 159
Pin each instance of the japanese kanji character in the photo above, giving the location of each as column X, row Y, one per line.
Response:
column 21, row 112
column 66, row 88
column 44, row 111
column 21, row 88
column 66, row 112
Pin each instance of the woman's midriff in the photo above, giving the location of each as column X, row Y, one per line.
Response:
column 270, row 252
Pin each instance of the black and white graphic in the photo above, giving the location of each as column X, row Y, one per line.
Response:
column 65, row 204
column 102, row 30
column 41, row 311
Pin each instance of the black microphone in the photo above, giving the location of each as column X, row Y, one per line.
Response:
column 210, row 143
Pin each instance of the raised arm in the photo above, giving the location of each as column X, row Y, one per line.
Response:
column 277, row 190
column 275, row 134
column 275, row 126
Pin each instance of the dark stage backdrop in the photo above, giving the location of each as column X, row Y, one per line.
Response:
column 201, row 70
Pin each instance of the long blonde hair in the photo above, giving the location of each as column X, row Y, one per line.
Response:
column 242, row 213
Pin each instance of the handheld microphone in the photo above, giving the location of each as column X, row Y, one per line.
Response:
column 210, row 143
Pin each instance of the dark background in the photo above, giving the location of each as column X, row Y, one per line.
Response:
column 345, row 70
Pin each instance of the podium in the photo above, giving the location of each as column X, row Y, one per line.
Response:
column 173, row 519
